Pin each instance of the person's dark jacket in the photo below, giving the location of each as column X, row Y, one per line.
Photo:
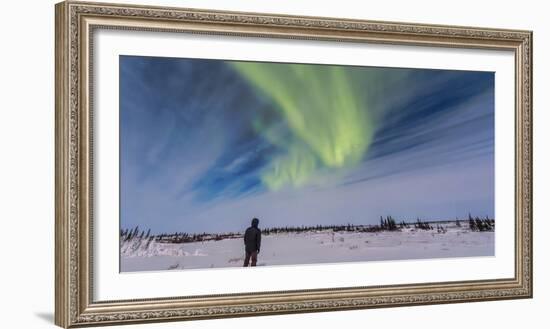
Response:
column 252, row 238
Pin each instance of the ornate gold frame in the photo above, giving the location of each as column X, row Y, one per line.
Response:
column 76, row 22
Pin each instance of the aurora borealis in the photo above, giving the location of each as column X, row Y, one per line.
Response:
column 320, row 135
column 208, row 144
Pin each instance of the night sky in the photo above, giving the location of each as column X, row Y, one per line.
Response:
column 206, row 145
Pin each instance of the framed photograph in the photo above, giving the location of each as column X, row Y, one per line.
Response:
column 218, row 164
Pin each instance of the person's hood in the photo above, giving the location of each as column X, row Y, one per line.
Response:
column 255, row 222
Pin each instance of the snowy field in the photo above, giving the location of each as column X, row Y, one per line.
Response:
column 309, row 248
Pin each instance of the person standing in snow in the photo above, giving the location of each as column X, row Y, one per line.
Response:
column 252, row 241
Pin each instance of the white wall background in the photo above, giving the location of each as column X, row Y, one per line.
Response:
column 27, row 162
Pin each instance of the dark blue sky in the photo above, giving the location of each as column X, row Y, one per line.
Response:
column 206, row 145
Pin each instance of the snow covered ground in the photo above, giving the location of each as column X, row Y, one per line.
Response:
column 309, row 248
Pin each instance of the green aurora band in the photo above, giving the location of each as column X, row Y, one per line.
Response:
column 327, row 113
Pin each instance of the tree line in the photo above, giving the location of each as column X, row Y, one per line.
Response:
column 481, row 225
column 387, row 223
column 178, row 237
